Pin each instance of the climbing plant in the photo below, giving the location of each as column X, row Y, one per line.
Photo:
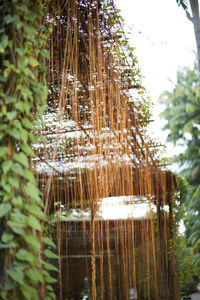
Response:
column 23, row 93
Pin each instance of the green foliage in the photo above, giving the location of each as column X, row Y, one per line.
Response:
column 179, row 198
column 23, row 93
column 189, row 274
column 182, row 114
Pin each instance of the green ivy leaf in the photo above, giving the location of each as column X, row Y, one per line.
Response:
column 9, row 18
column 50, row 267
column 24, row 135
column 32, row 138
column 9, row 286
column 18, row 216
column 42, row 138
column 34, row 223
column 3, row 127
column 17, row 125
column 33, row 62
column 22, row 159
column 32, row 240
column 20, row 265
column 1, row 136
column 11, row 244
column 11, row 115
column 20, row 106
column 32, row 191
column 49, row 254
column 45, row 53
column 30, row 30
column 50, row 279
column 16, row 275
column 6, row 166
column 7, row 237
column 6, row 187
column 45, row 273
column 14, row 133
column 27, row 149
column 4, row 209
column 4, row 110
column 25, row 255
column 52, row 295
column 29, row 175
column 35, row 275
column 14, row 181
column 17, row 168
column 49, row 288
column 49, row 242
column 17, row 202
column 29, row 292
column 7, row 72
column 36, row 210
column 27, row 124
column 3, row 43
column 3, row 151
column 10, row 99
column 16, row 227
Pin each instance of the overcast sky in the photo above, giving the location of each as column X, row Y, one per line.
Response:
column 164, row 41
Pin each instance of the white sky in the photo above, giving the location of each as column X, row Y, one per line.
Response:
column 166, row 42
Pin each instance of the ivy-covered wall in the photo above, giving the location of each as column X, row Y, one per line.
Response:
column 23, row 93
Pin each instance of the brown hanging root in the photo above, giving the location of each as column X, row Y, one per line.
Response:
column 96, row 147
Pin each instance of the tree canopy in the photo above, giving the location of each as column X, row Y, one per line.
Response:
column 182, row 114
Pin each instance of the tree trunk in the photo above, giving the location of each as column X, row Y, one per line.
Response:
column 194, row 4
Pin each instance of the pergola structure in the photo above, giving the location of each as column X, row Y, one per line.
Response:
column 97, row 147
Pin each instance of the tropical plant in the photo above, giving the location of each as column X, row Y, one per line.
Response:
column 182, row 114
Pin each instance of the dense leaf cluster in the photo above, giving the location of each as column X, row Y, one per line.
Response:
column 23, row 94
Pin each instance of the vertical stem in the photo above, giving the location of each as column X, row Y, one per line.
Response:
column 93, row 262
column 194, row 4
